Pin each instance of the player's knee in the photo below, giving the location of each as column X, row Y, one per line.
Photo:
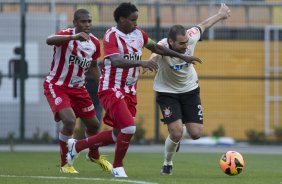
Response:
column 176, row 136
column 94, row 127
column 69, row 124
column 129, row 130
column 196, row 134
column 195, row 130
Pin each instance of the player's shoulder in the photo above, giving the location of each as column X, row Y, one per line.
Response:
column 67, row 31
column 193, row 31
column 110, row 32
column 140, row 30
column 93, row 37
column 163, row 42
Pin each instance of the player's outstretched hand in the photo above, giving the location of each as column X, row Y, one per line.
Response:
column 191, row 59
column 82, row 36
column 149, row 65
column 224, row 11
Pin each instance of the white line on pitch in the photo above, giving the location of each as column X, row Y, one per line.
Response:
column 77, row 178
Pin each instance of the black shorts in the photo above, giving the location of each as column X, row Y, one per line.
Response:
column 186, row 106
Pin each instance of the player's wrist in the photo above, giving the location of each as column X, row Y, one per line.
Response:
column 72, row 37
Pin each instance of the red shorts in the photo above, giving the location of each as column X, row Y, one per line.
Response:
column 78, row 99
column 120, row 108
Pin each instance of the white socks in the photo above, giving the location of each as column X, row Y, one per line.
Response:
column 169, row 151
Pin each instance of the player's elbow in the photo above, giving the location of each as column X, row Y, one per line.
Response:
column 48, row 41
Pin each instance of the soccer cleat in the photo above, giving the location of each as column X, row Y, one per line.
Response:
column 72, row 154
column 105, row 164
column 166, row 170
column 119, row 172
column 68, row 169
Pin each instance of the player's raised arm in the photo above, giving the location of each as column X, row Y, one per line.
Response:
column 161, row 50
column 223, row 13
column 61, row 39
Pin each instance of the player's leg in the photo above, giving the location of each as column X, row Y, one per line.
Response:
column 93, row 155
column 103, row 138
column 192, row 113
column 171, row 111
column 84, row 108
column 175, row 130
column 59, row 102
column 124, row 112
column 92, row 126
column 194, row 129
column 68, row 118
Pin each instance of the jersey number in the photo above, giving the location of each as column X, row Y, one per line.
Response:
column 200, row 113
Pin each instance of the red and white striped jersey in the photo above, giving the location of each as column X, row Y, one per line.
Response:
column 72, row 60
column 128, row 46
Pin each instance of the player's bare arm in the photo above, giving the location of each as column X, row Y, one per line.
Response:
column 223, row 13
column 120, row 62
column 61, row 39
column 154, row 57
column 161, row 50
column 94, row 70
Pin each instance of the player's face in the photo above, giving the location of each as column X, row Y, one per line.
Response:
column 180, row 44
column 131, row 22
column 83, row 24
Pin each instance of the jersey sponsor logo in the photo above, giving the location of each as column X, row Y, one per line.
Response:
column 131, row 81
column 52, row 91
column 84, row 63
column 87, row 109
column 76, row 81
column 132, row 56
column 178, row 67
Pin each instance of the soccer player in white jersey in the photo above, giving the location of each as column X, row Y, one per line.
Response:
column 117, row 88
column 76, row 51
column 176, row 84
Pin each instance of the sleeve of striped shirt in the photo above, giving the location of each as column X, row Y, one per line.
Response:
column 110, row 44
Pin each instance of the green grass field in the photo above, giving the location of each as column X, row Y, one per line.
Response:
column 142, row 168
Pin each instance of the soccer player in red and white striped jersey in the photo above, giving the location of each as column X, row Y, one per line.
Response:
column 117, row 88
column 76, row 51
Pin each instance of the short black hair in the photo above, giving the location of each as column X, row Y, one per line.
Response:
column 79, row 12
column 124, row 10
column 176, row 30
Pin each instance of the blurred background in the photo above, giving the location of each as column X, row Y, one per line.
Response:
column 240, row 78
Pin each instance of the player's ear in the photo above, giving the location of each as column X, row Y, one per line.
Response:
column 122, row 20
column 170, row 41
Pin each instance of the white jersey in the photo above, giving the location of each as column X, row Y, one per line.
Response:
column 175, row 75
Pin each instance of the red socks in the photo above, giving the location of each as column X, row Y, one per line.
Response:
column 123, row 141
column 63, row 147
column 101, row 139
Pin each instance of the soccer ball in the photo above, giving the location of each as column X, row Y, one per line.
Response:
column 232, row 163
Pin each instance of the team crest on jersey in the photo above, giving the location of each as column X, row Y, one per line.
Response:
column 119, row 95
column 84, row 63
column 58, row 100
column 167, row 112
